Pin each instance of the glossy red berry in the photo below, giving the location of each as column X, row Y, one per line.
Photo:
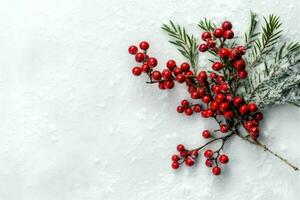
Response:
column 224, row 128
column 144, row 45
column 202, row 76
column 216, row 89
column 223, row 52
column 175, row 158
column 214, row 105
column 145, row 67
column 156, row 75
column 217, row 66
column 220, row 79
column 189, row 162
column 203, row 47
column 228, row 34
column 201, row 92
column 188, row 111
column 166, row 74
column 220, row 97
column 242, row 74
column 175, row 165
column 210, row 43
column 254, row 130
column 226, row 25
column 223, row 159
column 197, row 108
column 205, row 36
column 180, row 109
column 180, row 148
column 218, row 32
column 224, row 87
column 139, row 57
column 224, row 106
column 241, row 50
column 194, row 95
column 161, row 85
column 216, row 170
column 234, row 54
column 213, row 75
column 259, row 116
column 243, row 109
column 183, row 154
column 136, row 71
column 252, row 107
column 169, row 84
column 209, row 112
column 180, row 78
column 206, row 134
column 206, row 99
column 132, row 49
column 228, row 114
column 185, row 103
column 237, row 101
column 177, row 71
column 185, row 67
column 239, row 65
column 208, row 163
column 208, row 153
column 171, row 64
column 194, row 153
column 152, row 62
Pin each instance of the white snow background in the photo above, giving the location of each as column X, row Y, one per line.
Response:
column 76, row 125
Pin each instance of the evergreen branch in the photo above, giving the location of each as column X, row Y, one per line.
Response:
column 186, row 44
column 207, row 25
column 251, row 35
column 270, row 35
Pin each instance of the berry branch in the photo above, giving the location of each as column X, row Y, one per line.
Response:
column 228, row 94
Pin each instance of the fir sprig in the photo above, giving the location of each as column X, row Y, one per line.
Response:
column 251, row 35
column 206, row 25
column 186, row 44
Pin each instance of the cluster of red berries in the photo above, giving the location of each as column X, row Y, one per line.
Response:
column 188, row 158
column 215, row 92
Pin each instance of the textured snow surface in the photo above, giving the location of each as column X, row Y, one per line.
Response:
column 76, row 125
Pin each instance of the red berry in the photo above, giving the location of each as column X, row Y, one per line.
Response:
column 213, row 75
column 202, row 76
column 166, row 74
column 206, row 134
column 214, row 105
column 220, row 97
column 171, row 64
column 210, row 43
column 169, row 84
column 239, row 65
column 205, row 36
column 156, row 75
column 228, row 114
column 224, row 87
column 185, row 103
column 194, row 153
column 259, row 116
column 144, row 45
column 177, row 71
column 216, row 170
column 194, row 95
column 203, row 47
column 243, row 109
column 132, row 49
column 208, row 153
column 175, row 165
column 152, row 62
column 224, row 128
column 241, row 50
column 197, row 108
column 191, row 89
column 252, row 107
column 189, row 162
column 218, row 32
column 209, row 112
column 204, row 113
column 175, row 158
column 226, row 25
column 184, row 154
column 180, row 78
column 145, row 67
column 185, row 67
column 139, row 57
column 180, row 148
column 201, row 92
column 216, row 89
column 188, row 111
column 228, row 34
column 224, row 106
column 242, row 74
column 136, row 71
column 161, row 85
column 206, row 99
column 180, row 109
column 254, row 130
column 237, row 101
column 223, row 159
column 220, row 79
column 223, row 52
column 208, row 163
column 234, row 54
column 217, row 66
